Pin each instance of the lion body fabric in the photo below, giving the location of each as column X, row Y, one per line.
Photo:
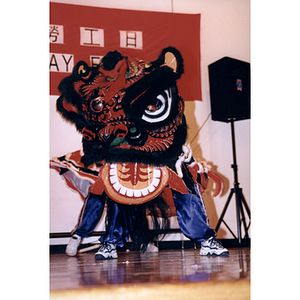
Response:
column 134, row 156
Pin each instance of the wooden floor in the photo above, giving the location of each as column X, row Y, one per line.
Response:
column 169, row 274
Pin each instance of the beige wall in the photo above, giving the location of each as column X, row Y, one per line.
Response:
column 225, row 31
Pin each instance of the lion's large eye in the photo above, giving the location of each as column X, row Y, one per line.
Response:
column 97, row 105
column 159, row 109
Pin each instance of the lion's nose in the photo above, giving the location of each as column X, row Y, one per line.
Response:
column 136, row 136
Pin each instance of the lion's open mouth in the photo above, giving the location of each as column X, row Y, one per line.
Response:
column 134, row 183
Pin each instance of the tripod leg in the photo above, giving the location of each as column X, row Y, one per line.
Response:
column 238, row 210
column 242, row 213
column 224, row 210
column 246, row 205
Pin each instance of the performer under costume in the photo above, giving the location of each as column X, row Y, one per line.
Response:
column 134, row 156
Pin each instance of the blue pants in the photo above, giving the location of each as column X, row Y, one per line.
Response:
column 190, row 210
column 191, row 216
column 91, row 214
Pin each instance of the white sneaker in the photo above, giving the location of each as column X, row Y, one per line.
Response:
column 73, row 245
column 213, row 247
column 151, row 248
column 106, row 251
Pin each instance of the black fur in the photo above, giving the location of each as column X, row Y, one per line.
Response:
column 93, row 152
column 135, row 220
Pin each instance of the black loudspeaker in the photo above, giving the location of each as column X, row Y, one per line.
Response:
column 229, row 81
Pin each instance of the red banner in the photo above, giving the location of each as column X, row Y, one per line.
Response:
column 88, row 33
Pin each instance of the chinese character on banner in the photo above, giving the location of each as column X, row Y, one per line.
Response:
column 131, row 39
column 56, row 34
column 88, row 33
column 91, row 37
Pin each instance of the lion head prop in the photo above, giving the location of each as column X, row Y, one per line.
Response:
column 127, row 110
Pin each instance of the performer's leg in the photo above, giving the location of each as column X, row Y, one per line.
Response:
column 191, row 217
column 193, row 222
column 116, row 233
column 89, row 217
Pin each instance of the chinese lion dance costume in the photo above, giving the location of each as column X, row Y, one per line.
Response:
column 134, row 157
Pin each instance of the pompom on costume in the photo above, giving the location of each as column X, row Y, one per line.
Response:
column 134, row 155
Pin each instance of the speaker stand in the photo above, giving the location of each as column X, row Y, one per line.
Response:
column 240, row 201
